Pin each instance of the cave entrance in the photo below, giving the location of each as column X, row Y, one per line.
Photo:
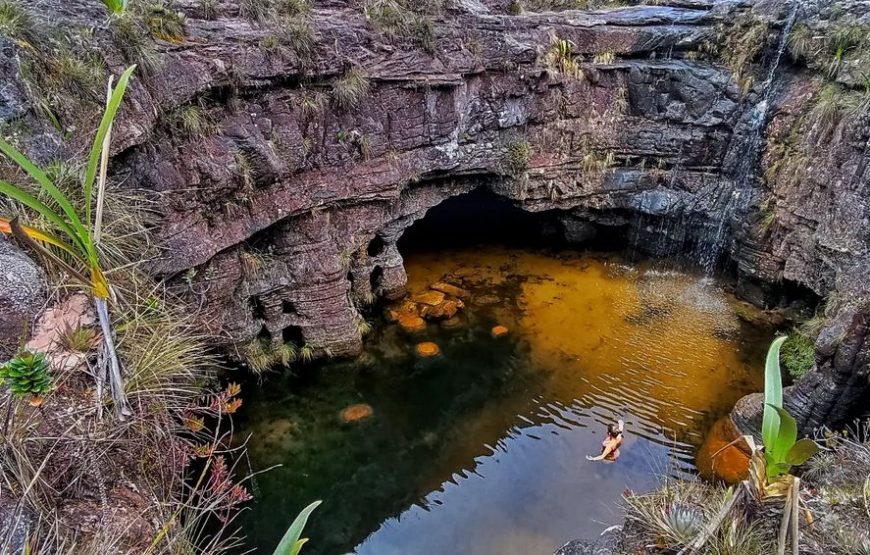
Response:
column 480, row 217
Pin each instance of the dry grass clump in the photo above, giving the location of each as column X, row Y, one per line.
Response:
column 840, row 476
column 560, row 58
column 738, row 43
column 671, row 517
column 403, row 19
column 349, row 89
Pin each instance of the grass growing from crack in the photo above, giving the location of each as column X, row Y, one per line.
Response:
column 402, row 19
column 561, row 58
column 349, row 89
column 207, row 9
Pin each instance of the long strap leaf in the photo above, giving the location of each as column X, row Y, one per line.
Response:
column 108, row 118
column 24, row 238
column 30, row 201
column 41, row 236
column 33, row 171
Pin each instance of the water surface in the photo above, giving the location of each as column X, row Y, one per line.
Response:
column 482, row 449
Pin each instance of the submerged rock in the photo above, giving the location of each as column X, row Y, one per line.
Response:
column 451, row 290
column 724, row 454
column 355, row 413
column 430, row 298
column 428, row 349
column 411, row 322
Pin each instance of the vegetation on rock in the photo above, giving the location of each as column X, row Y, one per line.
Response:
column 27, row 375
column 349, row 89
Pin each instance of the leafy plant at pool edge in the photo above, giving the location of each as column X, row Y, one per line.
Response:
column 782, row 450
column 291, row 543
column 27, row 375
column 117, row 6
column 76, row 249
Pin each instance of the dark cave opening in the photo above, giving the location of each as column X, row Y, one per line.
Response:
column 482, row 217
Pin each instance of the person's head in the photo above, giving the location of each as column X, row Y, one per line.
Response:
column 613, row 430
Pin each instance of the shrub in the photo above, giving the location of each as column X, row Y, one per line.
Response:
column 294, row 7
column 300, row 36
column 116, row 6
column 349, row 89
column 798, row 354
column 519, row 156
column 27, row 375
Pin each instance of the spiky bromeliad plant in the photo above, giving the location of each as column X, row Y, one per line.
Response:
column 75, row 248
column 27, row 375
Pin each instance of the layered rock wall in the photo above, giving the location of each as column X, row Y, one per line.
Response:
column 282, row 211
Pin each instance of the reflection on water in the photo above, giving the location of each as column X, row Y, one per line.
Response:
column 481, row 449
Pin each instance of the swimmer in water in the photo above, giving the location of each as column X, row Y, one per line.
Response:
column 611, row 443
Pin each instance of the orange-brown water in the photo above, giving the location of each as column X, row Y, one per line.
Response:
column 481, row 449
column 664, row 344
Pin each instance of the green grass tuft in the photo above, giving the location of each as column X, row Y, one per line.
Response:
column 561, row 58
column 15, row 21
column 134, row 40
column 798, row 354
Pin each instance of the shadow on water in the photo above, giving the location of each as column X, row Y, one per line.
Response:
column 481, row 449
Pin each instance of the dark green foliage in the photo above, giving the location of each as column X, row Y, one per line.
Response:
column 519, row 156
column 797, row 354
column 27, row 374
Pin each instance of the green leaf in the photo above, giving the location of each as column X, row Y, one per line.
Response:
column 108, row 118
column 291, row 544
column 117, row 6
column 772, row 393
column 25, row 164
column 786, row 435
column 801, row 452
column 32, row 202
column 776, row 469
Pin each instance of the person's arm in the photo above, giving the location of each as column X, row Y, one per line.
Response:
column 608, row 449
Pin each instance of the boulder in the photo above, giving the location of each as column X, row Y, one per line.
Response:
column 451, row 290
column 23, row 292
